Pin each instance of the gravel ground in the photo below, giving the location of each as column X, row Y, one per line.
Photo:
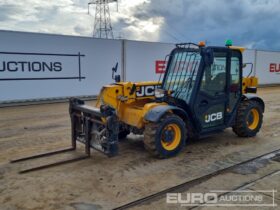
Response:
column 104, row 183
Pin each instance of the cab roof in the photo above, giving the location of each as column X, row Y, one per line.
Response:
column 241, row 49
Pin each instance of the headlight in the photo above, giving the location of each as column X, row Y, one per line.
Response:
column 159, row 93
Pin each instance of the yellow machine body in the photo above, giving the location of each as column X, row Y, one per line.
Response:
column 249, row 82
column 130, row 100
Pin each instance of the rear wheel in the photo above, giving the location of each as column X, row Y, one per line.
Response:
column 249, row 119
column 165, row 138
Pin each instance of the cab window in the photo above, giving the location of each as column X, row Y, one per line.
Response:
column 214, row 77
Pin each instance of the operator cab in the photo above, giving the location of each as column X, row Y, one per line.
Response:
column 206, row 82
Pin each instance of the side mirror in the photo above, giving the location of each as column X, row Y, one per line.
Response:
column 208, row 56
column 115, row 69
column 244, row 65
column 117, row 78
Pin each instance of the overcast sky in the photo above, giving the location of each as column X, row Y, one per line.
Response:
column 252, row 23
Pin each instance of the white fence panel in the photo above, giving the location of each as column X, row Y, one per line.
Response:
column 144, row 60
column 268, row 67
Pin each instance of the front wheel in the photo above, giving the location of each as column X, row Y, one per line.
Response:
column 165, row 138
column 248, row 119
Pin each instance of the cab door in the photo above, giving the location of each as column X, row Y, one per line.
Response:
column 212, row 98
column 235, row 81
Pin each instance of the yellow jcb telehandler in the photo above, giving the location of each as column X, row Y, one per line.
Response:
column 202, row 92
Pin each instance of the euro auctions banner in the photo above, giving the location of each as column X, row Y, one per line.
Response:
column 42, row 66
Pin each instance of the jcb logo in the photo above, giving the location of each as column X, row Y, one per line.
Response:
column 143, row 91
column 213, row 117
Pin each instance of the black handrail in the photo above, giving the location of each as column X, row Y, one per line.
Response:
column 188, row 44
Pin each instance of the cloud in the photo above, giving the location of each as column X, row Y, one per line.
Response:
column 129, row 23
column 251, row 23
column 59, row 17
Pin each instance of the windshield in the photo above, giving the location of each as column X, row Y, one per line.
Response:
column 181, row 73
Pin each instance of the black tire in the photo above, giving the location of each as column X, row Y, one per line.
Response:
column 153, row 135
column 245, row 126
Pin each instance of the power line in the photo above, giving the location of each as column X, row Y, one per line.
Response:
column 171, row 35
column 174, row 29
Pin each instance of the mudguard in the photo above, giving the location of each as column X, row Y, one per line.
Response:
column 256, row 98
column 157, row 112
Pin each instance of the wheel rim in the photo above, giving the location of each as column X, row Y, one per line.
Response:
column 253, row 119
column 171, row 137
